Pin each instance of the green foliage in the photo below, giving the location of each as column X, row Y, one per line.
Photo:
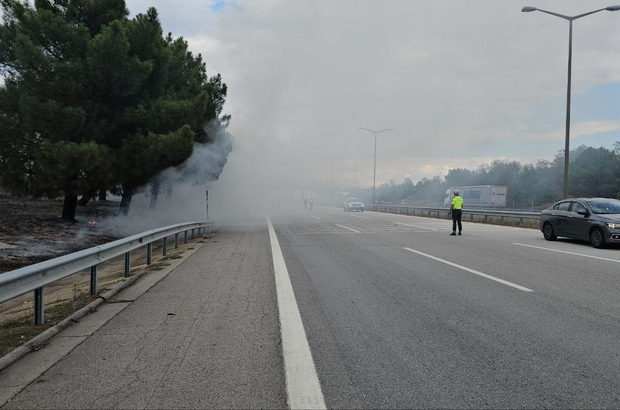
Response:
column 83, row 165
column 93, row 99
column 142, row 157
column 594, row 172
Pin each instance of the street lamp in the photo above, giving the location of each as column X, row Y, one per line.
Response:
column 333, row 158
column 374, row 173
column 568, row 87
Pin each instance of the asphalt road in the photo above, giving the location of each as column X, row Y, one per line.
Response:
column 397, row 314
column 392, row 328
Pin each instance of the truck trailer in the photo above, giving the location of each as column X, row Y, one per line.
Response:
column 481, row 196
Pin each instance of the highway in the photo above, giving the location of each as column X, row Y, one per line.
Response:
column 396, row 318
column 395, row 312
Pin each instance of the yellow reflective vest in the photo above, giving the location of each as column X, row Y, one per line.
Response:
column 457, row 202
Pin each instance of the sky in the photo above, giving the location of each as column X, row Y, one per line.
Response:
column 461, row 83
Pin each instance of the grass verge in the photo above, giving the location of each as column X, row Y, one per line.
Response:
column 16, row 333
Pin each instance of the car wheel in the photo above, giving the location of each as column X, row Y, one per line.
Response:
column 548, row 232
column 597, row 239
column 362, row 210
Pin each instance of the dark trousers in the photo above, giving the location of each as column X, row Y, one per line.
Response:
column 456, row 218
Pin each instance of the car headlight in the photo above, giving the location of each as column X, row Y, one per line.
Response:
column 613, row 225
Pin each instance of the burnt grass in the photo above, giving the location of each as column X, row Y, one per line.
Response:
column 31, row 230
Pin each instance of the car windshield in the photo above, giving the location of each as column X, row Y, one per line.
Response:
column 610, row 206
column 354, row 200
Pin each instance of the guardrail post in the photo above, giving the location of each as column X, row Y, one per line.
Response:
column 164, row 246
column 127, row 264
column 39, row 306
column 176, row 241
column 93, row 279
column 193, row 232
column 185, row 239
column 149, row 253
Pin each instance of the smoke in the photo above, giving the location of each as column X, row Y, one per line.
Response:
column 207, row 161
column 180, row 191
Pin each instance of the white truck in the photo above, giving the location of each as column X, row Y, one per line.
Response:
column 481, row 196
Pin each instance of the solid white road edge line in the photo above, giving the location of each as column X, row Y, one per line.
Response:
column 475, row 272
column 302, row 383
column 415, row 226
column 315, row 217
column 351, row 229
column 570, row 253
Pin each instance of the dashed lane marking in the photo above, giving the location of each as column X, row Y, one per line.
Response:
column 416, row 226
column 567, row 252
column 350, row 229
column 475, row 272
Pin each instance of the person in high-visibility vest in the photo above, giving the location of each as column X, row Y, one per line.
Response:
column 456, row 210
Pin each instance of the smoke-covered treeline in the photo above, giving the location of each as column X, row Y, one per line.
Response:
column 95, row 101
column 593, row 172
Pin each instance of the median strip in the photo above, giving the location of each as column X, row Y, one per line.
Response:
column 475, row 272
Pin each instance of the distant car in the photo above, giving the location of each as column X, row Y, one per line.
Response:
column 353, row 204
column 596, row 220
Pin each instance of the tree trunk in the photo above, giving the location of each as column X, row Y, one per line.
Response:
column 169, row 192
column 70, row 204
column 154, row 194
column 68, row 208
column 126, row 201
column 102, row 193
column 86, row 198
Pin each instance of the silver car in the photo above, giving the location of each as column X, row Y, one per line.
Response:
column 353, row 204
column 596, row 220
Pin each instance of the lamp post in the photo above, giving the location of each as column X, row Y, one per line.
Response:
column 568, row 87
column 374, row 173
column 332, row 159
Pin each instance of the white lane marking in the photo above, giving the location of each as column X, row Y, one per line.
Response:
column 570, row 253
column 475, row 272
column 351, row 229
column 315, row 217
column 359, row 216
column 415, row 226
column 302, row 383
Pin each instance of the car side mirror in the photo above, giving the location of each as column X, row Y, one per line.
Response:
column 582, row 212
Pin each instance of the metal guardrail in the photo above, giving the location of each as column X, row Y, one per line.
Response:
column 439, row 212
column 35, row 277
